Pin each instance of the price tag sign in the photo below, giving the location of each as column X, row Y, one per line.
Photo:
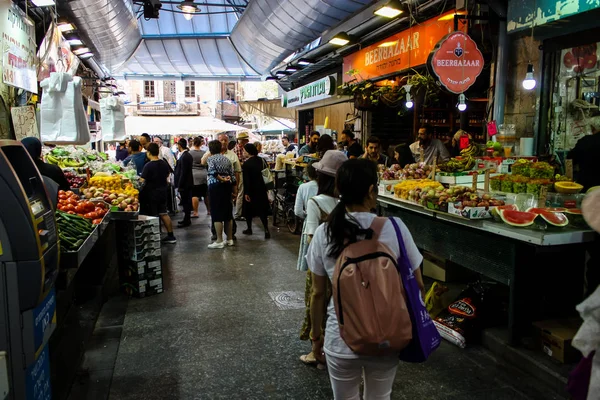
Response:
column 492, row 128
column 569, row 169
column 486, row 185
column 543, row 196
column 475, row 177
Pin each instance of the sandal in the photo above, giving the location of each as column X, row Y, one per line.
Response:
column 309, row 359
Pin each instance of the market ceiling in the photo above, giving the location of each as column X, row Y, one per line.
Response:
column 225, row 39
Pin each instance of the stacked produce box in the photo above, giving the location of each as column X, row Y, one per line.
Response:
column 140, row 256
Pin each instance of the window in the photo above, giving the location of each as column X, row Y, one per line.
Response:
column 190, row 89
column 230, row 91
column 149, row 89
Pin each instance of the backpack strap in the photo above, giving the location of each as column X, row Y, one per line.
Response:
column 377, row 226
column 324, row 215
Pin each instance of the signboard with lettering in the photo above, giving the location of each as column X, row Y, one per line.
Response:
column 457, row 62
column 404, row 50
column 18, row 48
column 318, row 90
column 37, row 380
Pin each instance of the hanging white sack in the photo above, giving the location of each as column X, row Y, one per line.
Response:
column 53, row 94
column 112, row 120
column 81, row 117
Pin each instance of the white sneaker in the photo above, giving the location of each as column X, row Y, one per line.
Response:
column 230, row 243
column 216, row 245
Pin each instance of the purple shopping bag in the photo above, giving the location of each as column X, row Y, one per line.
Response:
column 425, row 335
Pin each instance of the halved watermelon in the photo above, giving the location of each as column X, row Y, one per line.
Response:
column 495, row 211
column 574, row 211
column 554, row 218
column 518, row 218
column 576, row 219
column 539, row 210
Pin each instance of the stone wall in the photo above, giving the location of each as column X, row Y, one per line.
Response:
column 520, row 106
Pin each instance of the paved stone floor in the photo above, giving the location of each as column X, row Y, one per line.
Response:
column 217, row 333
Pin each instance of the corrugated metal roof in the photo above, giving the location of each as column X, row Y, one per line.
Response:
column 176, row 48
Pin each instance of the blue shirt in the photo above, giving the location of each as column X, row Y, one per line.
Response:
column 138, row 159
column 306, row 150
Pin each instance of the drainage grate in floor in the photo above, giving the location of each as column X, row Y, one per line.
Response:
column 288, row 300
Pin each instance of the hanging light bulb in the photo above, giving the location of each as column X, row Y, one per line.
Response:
column 188, row 8
column 529, row 81
column 409, row 102
column 462, row 105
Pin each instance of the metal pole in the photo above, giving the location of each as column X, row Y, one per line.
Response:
column 501, row 73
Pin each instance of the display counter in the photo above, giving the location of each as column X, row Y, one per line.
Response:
column 544, row 270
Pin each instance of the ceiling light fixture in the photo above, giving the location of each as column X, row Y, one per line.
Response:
column 305, row 61
column 391, row 9
column 86, row 55
column 75, row 42
column 450, row 17
column 66, row 27
column 81, row 51
column 462, row 105
column 270, row 78
column 341, row 39
column 529, row 81
column 189, row 8
column 292, row 68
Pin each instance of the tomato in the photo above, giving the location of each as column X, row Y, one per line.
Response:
column 80, row 209
column 62, row 196
column 71, row 212
column 69, row 208
column 72, row 201
column 75, row 197
column 97, row 221
column 69, row 193
column 62, row 201
column 89, row 205
column 61, row 192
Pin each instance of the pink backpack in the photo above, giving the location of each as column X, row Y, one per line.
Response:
column 369, row 298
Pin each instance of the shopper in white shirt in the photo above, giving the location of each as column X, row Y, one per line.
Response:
column 356, row 184
column 317, row 210
column 164, row 152
column 306, row 191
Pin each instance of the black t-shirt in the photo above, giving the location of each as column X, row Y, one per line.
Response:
column 355, row 150
column 155, row 176
column 53, row 172
column 585, row 155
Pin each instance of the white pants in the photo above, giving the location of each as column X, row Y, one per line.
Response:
column 346, row 374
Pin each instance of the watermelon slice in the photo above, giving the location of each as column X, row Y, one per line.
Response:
column 518, row 218
column 574, row 211
column 538, row 210
column 576, row 219
column 495, row 211
column 554, row 218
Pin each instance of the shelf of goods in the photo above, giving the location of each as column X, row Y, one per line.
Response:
column 530, row 261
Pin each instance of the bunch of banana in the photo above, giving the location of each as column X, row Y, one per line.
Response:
column 51, row 159
column 470, row 151
column 455, row 165
column 69, row 162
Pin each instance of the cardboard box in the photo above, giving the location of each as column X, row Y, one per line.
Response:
column 555, row 336
column 444, row 270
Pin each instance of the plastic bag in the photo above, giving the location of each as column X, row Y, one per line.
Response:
column 433, row 299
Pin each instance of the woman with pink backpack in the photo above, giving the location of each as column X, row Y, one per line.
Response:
column 367, row 319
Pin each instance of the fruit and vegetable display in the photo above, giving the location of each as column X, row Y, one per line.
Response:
column 461, row 197
column 496, row 148
column 535, row 170
column 125, row 199
column 540, row 217
column 73, row 157
column 458, row 165
column 392, row 173
column 75, row 181
column 70, row 203
column 471, row 151
column 567, row 187
column 73, row 230
column 416, row 171
column 531, row 177
column 408, row 189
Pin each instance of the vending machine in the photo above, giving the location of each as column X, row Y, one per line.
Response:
column 29, row 256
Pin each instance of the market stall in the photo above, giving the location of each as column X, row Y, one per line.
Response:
column 523, row 234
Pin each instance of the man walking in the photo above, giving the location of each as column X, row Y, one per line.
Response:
column 242, row 140
column 145, row 141
column 184, row 182
column 135, row 156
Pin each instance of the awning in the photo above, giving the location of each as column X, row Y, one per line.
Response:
column 175, row 126
column 270, row 108
column 279, row 126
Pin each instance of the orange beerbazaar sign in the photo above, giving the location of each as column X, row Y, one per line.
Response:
column 404, row 50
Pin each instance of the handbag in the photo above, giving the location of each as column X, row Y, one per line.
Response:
column 267, row 176
column 425, row 335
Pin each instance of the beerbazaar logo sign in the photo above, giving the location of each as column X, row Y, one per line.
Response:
column 404, row 50
column 318, row 90
column 457, row 62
